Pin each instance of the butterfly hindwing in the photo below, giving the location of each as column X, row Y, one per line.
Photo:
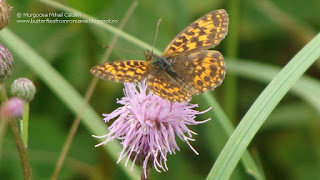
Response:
column 122, row 71
column 203, row 70
column 204, row 33
column 165, row 86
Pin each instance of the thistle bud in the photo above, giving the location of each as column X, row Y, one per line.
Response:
column 23, row 88
column 6, row 63
column 5, row 11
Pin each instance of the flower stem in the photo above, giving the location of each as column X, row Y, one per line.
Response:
column 17, row 137
column 3, row 123
column 143, row 177
column 25, row 125
column 230, row 96
column 22, row 151
column 3, row 93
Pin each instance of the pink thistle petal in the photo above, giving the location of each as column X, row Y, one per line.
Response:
column 147, row 126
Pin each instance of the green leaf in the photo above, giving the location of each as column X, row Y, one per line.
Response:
column 225, row 122
column 262, row 108
column 104, row 26
column 67, row 94
column 306, row 87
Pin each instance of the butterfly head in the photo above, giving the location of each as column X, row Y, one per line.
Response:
column 149, row 55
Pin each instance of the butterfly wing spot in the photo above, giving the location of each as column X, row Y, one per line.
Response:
column 122, row 71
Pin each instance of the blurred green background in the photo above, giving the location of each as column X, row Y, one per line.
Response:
column 267, row 32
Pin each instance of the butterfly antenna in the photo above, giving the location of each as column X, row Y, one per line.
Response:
column 155, row 38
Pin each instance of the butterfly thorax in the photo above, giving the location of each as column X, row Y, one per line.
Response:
column 164, row 65
column 160, row 63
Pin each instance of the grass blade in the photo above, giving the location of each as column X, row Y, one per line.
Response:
column 223, row 119
column 104, row 26
column 68, row 95
column 261, row 109
column 306, row 88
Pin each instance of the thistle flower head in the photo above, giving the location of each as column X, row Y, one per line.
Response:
column 6, row 63
column 12, row 108
column 23, row 88
column 147, row 126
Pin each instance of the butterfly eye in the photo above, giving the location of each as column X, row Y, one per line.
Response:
column 148, row 55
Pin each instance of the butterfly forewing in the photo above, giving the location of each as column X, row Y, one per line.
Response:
column 203, row 70
column 122, row 71
column 204, row 33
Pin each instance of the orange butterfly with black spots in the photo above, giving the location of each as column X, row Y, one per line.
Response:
column 185, row 68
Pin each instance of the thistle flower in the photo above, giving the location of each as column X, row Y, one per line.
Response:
column 147, row 126
column 12, row 108
column 6, row 63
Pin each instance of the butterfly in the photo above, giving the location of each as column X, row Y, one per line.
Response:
column 185, row 68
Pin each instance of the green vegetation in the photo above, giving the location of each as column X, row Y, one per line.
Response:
column 264, row 126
